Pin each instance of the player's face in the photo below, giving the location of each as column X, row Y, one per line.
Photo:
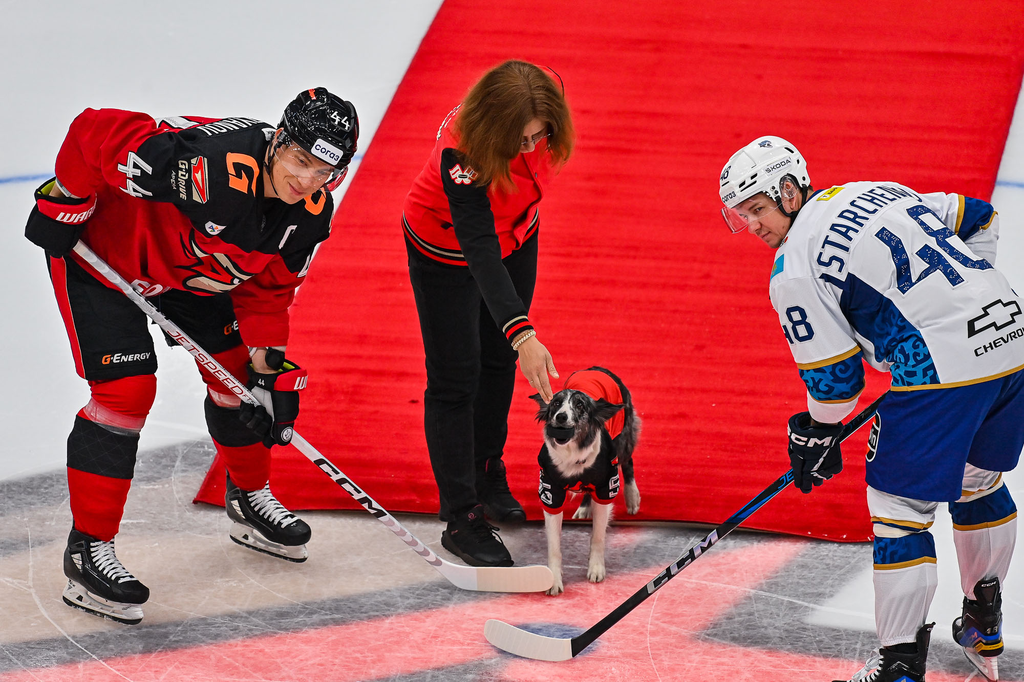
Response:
column 535, row 131
column 763, row 219
column 297, row 173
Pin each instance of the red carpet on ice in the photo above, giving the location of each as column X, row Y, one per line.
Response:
column 637, row 271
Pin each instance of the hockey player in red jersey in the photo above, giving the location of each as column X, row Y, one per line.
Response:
column 216, row 221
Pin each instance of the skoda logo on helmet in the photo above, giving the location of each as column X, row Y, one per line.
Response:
column 771, row 168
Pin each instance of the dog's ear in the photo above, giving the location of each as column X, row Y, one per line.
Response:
column 605, row 410
column 542, row 413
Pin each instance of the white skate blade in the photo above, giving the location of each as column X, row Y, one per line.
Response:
column 253, row 539
column 987, row 666
column 75, row 595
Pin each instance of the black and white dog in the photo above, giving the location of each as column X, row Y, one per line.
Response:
column 590, row 431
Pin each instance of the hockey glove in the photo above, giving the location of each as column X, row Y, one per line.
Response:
column 813, row 451
column 273, row 419
column 56, row 222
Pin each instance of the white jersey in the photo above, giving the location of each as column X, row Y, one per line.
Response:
column 904, row 280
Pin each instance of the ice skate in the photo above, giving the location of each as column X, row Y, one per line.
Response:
column 264, row 524
column 98, row 583
column 899, row 663
column 979, row 629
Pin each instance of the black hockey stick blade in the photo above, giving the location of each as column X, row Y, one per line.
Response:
column 530, row 645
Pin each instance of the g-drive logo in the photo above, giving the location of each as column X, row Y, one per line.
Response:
column 327, row 151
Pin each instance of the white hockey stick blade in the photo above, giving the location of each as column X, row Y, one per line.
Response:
column 495, row 579
column 526, row 644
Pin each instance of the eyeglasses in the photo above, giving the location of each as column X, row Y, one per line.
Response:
column 297, row 161
column 534, row 139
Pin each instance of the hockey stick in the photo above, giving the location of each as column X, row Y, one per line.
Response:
column 530, row 645
column 479, row 579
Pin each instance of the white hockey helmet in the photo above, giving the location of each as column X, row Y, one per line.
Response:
column 761, row 167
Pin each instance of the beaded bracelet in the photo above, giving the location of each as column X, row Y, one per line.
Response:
column 522, row 339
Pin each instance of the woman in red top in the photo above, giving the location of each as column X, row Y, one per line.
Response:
column 471, row 220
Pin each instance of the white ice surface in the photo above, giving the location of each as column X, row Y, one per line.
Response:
column 233, row 58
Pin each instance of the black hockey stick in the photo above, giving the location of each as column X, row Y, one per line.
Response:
column 530, row 645
column 480, row 579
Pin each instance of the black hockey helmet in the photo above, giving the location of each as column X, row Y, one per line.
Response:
column 324, row 125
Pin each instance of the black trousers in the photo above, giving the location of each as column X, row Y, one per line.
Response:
column 471, row 370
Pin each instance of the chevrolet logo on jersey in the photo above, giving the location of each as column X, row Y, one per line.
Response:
column 996, row 315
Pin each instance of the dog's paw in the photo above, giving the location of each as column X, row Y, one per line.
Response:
column 632, row 498
column 583, row 513
column 556, row 587
column 596, row 572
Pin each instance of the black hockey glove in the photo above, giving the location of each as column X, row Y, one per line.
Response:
column 57, row 222
column 273, row 419
column 814, row 451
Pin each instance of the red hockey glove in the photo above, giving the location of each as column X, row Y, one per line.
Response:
column 273, row 419
column 56, row 222
column 814, row 451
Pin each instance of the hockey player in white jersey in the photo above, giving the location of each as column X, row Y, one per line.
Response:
column 876, row 272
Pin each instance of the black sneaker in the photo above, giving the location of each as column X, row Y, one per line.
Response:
column 492, row 491
column 475, row 541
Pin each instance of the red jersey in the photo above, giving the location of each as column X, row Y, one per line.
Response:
column 449, row 218
column 180, row 205
column 599, row 385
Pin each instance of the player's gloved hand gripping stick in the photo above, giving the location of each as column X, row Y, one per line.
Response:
column 481, row 579
column 530, row 645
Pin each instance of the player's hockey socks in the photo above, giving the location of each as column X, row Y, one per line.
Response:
column 98, row 583
column 264, row 524
column 56, row 223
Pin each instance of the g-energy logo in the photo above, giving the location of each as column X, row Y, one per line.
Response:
column 118, row 358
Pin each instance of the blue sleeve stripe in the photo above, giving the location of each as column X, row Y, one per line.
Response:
column 972, row 216
column 837, row 382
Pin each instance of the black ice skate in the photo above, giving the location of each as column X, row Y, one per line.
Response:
column 475, row 541
column 98, row 583
column 493, row 492
column 263, row 524
column 898, row 663
column 979, row 629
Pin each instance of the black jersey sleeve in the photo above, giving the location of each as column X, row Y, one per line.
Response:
column 473, row 223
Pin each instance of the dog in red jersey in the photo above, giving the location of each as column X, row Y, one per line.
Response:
column 590, row 432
